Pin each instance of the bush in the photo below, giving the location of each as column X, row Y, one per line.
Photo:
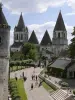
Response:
column 64, row 84
column 13, row 90
column 74, row 92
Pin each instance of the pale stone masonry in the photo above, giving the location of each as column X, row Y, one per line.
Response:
column 4, row 55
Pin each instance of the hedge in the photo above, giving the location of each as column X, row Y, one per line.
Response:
column 13, row 90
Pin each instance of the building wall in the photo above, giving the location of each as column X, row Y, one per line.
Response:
column 43, row 50
column 20, row 36
column 4, row 43
column 71, row 70
column 60, row 38
column 59, row 41
column 16, row 49
column 58, row 48
column 4, row 66
column 4, row 62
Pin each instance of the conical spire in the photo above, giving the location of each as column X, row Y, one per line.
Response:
column 46, row 39
column 60, row 23
column 3, row 20
column 33, row 39
column 21, row 24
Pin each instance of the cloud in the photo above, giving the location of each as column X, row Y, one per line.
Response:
column 71, row 3
column 29, row 6
column 40, row 30
column 70, row 14
column 36, row 6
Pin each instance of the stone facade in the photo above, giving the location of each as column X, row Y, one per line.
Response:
column 71, row 71
column 4, row 55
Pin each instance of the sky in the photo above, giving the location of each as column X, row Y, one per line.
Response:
column 40, row 15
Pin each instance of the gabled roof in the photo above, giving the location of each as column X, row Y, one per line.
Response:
column 61, row 63
column 33, row 39
column 21, row 24
column 60, row 23
column 16, row 44
column 46, row 39
column 3, row 20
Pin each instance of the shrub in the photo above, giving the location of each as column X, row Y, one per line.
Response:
column 13, row 90
column 74, row 92
column 64, row 84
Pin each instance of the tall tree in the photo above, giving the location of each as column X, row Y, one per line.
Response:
column 72, row 45
column 29, row 50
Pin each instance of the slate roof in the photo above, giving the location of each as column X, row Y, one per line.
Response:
column 21, row 24
column 16, row 45
column 46, row 39
column 61, row 63
column 60, row 23
column 33, row 39
column 3, row 20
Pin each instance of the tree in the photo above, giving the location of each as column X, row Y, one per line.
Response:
column 29, row 50
column 18, row 55
column 72, row 45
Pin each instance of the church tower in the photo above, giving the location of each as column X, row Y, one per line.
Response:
column 20, row 31
column 20, row 35
column 4, row 55
column 59, row 40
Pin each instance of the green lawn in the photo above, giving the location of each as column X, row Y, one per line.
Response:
column 47, row 87
column 21, row 90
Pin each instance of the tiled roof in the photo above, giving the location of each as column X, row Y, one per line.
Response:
column 60, row 23
column 21, row 24
column 3, row 20
column 16, row 44
column 46, row 39
column 33, row 39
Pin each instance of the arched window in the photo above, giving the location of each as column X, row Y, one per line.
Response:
column 16, row 36
column 58, row 35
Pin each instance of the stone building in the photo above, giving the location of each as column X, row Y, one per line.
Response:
column 58, row 43
column 4, row 55
column 20, row 35
column 59, row 40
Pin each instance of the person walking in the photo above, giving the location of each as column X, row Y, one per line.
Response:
column 36, row 77
column 31, row 86
column 23, row 74
column 32, row 77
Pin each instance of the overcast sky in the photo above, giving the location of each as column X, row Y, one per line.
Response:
column 40, row 15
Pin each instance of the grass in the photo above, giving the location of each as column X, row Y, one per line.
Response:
column 47, row 87
column 21, row 90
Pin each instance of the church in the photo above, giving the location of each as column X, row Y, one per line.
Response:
column 58, row 43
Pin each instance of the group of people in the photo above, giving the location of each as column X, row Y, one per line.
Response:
column 21, row 76
column 37, row 82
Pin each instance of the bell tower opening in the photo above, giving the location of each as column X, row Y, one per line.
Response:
column 58, row 35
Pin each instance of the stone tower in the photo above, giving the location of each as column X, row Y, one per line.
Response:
column 20, row 31
column 20, row 35
column 4, row 55
column 59, row 40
